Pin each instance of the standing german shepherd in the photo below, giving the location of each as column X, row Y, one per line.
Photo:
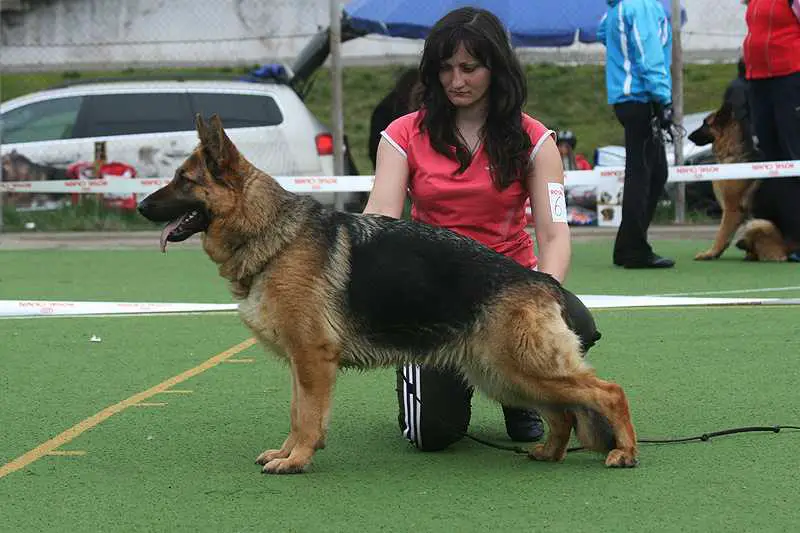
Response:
column 326, row 289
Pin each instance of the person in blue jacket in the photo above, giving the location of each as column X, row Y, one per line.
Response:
column 638, row 40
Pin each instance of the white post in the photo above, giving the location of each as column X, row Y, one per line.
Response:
column 337, row 119
column 677, row 105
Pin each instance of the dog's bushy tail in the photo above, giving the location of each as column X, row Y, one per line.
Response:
column 762, row 241
column 593, row 430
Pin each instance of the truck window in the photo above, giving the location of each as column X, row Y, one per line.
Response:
column 130, row 114
column 41, row 121
column 238, row 110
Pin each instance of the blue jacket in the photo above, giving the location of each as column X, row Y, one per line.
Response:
column 638, row 39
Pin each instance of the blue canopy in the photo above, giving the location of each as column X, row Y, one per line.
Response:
column 531, row 22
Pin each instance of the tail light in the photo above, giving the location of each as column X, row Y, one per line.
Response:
column 324, row 143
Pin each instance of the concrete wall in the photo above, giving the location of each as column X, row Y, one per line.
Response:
column 74, row 34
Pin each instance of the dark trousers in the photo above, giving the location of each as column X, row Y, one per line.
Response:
column 435, row 405
column 645, row 175
column 775, row 105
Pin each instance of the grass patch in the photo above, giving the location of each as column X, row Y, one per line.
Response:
column 188, row 465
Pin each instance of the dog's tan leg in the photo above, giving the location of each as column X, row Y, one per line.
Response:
column 606, row 398
column 730, row 195
column 559, row 427
column 291, row 439
column 315, row 371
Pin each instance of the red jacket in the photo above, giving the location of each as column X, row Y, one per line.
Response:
column 772, row 45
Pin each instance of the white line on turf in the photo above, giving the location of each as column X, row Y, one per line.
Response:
column 731, row 291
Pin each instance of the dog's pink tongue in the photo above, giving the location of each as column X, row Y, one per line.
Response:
column 166, row 231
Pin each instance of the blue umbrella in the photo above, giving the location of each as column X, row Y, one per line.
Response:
column 530, row 22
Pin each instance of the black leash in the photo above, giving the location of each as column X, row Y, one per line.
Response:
column 705, row 437
column 708, row 436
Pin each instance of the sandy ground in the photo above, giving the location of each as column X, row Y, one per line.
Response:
column 149, row 239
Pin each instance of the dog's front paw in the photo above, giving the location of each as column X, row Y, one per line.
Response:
column 541, row 453
column 271, row 455
column 708, row 255
column 284, row 466
column 621, row 459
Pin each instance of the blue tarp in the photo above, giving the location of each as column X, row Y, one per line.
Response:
column 531, row 22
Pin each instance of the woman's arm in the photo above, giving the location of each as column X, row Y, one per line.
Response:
column 388, row 193
column 550, row 217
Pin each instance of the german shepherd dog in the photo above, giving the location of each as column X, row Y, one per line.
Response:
column 730, row 143
column 327, row 289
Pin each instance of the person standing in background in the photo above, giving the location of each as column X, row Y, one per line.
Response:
column 772, row 64
column 638, row 40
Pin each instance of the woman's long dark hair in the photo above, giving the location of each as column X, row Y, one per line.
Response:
column 506, row 142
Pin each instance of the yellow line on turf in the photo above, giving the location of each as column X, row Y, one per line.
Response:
column 67, row 453
column 242, row 360
column 177, row 391
column 150, row 404
column 59, row 440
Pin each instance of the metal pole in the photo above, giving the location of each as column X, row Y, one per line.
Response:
column 337, row 119
column 677, row 105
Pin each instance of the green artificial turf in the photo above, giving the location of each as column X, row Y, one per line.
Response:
column 188, row 465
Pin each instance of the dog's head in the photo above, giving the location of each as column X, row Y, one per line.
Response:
column 205, row 187
column 713, row 126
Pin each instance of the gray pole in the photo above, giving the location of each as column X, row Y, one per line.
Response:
column 677, row 105
column 337, row 120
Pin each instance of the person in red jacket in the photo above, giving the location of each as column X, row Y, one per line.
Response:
column 772, row 61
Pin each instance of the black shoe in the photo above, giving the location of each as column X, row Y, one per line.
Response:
column 523, row 425
column 654, row 261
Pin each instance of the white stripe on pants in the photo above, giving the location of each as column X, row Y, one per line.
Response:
column 411, row 403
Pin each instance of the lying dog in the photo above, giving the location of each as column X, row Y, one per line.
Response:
column 730, row 143
column 327, row 289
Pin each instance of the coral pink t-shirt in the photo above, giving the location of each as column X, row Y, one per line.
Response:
column 466, row 203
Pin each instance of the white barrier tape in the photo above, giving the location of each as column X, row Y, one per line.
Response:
column 17, row 308
column 298, row 184
column 310, row 184
column 691, row 173
column 29, row 308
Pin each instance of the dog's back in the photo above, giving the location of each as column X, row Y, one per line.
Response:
column 414, row 290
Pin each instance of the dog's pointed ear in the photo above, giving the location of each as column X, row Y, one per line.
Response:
column 202, row 128
column 218, row 152
column 220, row 147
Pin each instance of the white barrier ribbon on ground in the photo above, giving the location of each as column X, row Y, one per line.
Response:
column 40, row 308
column 600, row 301
column 331, row 184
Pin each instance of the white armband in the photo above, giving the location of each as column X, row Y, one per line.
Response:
column 558, row 202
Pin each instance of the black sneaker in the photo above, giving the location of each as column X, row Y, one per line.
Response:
column 653, row 261
column 523, row 425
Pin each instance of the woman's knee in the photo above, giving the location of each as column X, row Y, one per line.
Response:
column 581, row 321
column 434, row 407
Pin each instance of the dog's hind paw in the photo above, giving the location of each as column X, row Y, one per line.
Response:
column 540, row 453
column 621, row 459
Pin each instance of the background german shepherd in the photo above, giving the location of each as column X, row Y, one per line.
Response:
column 327, row 289
column 731, row 142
